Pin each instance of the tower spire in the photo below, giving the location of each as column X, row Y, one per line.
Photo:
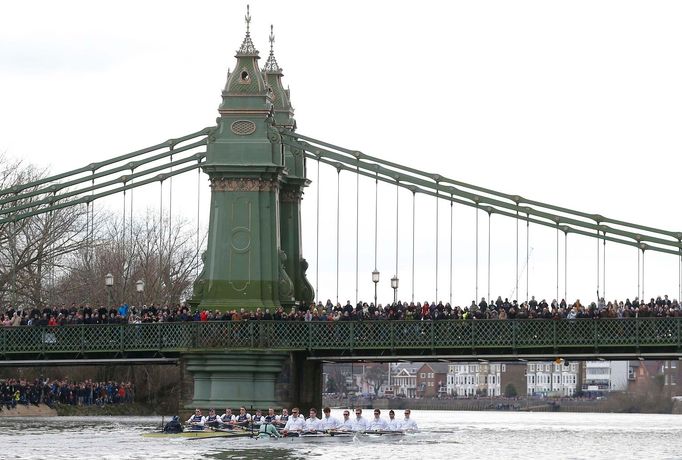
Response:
column 271, row 64
column 247, row 47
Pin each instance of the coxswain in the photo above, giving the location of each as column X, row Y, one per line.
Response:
column 243, row 419
column 173, row 426
column 328, row 422
column 295, row 424
column 408, row 424
column 227, row 418
column 359, row 422
column 196, row 421
column 393, row 424
column 346, row 424
column 312, row 423
column 212, row 420
column 377, row 423
column 268, row 430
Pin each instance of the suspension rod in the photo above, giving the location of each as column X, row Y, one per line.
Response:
column 96, row 196
column 429, row 192
column 92, row 167
column 406, row 180
column 516, row 198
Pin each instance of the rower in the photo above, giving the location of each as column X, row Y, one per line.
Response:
column 271, row 417
column 312, row 423
column 243, row 419
column 212, row 420
column 392, row 424
column 284, row 418
column 328, row 422
column 227, row 418
column 377, row 423
column 295, row 424
column 408, row 424
column 346, row 424
column 196, row 421
column 258, row 418
column 359, row 422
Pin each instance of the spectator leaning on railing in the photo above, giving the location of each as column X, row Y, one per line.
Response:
column 498, row 310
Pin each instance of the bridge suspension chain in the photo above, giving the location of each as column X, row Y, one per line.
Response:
column 468, row 198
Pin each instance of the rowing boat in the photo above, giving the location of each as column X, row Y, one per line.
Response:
column 201, row 434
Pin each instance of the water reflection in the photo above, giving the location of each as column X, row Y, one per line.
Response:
column 261, row 453
column 471, row 435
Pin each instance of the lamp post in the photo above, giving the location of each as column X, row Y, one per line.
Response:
column 375, row 280
column 394, row 285
column 109, row 283
column 139, row 286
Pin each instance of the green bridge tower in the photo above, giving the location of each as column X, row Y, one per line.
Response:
column 253, row 257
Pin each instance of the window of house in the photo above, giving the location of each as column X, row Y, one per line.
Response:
column 422, row 375
column 504, row 368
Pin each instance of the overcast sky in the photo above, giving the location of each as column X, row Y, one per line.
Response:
column 572, row 103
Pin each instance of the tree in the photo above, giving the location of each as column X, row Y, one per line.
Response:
column 32, row 244
column 376, row 375
column 163, row 256
column 510, row 391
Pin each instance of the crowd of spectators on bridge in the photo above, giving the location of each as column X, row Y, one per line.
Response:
column 499, row 309
column 15, row 392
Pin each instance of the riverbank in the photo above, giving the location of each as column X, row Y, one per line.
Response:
column 621, row 404
column 43, row 410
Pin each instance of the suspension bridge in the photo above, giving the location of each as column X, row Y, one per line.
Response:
column 258, row 167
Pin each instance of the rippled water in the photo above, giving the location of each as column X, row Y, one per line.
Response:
column 470, row 435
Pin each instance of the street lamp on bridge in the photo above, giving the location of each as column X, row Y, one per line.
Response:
column 394, row 285
column 109, row 283
column 375, row 280
column 139, row 287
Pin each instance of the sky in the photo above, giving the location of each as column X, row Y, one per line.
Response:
column 575, row 104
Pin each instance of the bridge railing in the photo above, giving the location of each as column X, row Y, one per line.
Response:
column 475, row 336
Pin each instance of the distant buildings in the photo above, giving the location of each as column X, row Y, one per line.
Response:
column 511, row 379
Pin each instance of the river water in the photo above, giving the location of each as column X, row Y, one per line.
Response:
column 444, row 435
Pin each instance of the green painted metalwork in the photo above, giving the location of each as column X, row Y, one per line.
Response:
column 550, row 337
column 253, row 258
column 91, row 168
column 407, row 177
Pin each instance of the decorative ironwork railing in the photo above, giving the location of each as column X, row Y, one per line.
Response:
column 459, row 336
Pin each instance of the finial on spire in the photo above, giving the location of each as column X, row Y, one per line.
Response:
column 271, row 64
column 247, row 18
column 247, row 47
column 272, row 37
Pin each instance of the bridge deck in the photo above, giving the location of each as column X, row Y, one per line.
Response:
column 384, row 340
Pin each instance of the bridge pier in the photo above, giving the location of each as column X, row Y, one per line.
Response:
column 253, row 379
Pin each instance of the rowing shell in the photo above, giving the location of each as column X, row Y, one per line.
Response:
column 201, row 434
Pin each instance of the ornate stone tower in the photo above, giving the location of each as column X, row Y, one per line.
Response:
column 244, row 265
column 293, row 182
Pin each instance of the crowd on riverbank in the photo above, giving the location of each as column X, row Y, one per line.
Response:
column 499, row 309
column 50, row 392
